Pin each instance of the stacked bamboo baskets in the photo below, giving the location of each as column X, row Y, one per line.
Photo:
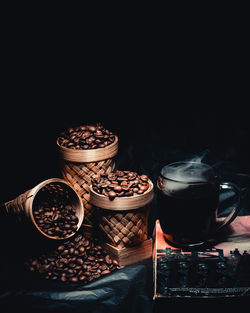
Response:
column 121, row 224
column 78, row 166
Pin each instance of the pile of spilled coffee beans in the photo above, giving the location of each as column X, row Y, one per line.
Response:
column 56, row 218
column 86, row 137
column 120, row 184
column 76, row 260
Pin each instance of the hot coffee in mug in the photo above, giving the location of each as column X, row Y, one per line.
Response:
column 188, row 198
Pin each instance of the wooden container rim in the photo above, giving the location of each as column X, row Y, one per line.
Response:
column 89, row 155
column 31, row 196
column 122, row 203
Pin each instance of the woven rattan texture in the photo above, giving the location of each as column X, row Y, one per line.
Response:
column 16, row 207
column 79, row 176
column 123, row 229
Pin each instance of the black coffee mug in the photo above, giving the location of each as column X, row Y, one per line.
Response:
column 188, row 199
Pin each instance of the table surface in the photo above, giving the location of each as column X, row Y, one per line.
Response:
column 127, row 290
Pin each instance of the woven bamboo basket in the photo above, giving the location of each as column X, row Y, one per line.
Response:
column 123, row 222
column 21, row 208
column 78, row 166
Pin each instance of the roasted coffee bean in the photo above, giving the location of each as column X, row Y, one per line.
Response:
column 61, row 248
column 71, row 250
column 82, row 277
column 81, row 249
column 86, row 137
column 108, row 260
column 65, row 252
column 72, row 265
column 74, row 279
column 144, row 178
column 79, row 261
column 117, row 188
column 112, row 195
column 64, row 264
column 55, row 217
column 87, row 273
column 103, row 267
column 105, row 272
column 64, row 260
column 63, row 279
column 85, row 243
column 143, row 187
column 120, row 183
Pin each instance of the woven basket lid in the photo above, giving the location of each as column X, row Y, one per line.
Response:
column 122, row 203
column 89, row 155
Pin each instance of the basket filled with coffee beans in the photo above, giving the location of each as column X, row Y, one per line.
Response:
column 122, row 200
column 53, row 208
column 86, row 151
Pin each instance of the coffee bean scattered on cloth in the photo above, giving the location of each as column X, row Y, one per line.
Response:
column 75, row 260
column 120, row 184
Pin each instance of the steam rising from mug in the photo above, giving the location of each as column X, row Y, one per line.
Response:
column 180, row 174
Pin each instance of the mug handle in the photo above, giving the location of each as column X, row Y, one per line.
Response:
column 235, row 211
